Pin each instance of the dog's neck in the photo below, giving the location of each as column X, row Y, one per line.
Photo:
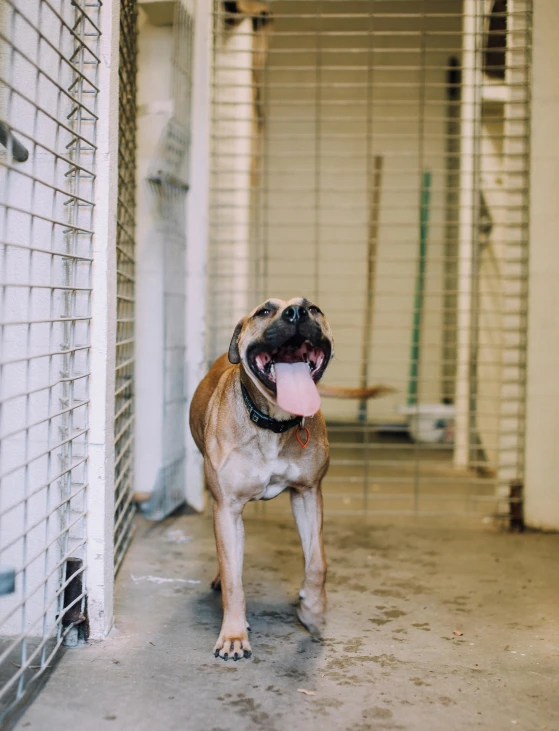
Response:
column 261, row 402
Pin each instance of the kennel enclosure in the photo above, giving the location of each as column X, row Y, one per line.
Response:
column 66, row 339
column 373, row 156
column 50, row 76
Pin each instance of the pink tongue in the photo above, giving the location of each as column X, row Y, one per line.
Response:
column 296, row 390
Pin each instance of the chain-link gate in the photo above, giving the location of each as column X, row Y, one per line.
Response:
column 126, row 257
column 49, row 69
column 373, row 156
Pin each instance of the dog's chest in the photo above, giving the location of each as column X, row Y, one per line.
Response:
column 267, row 466
column 274, row 472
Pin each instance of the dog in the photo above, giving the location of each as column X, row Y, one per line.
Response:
column 255, row 417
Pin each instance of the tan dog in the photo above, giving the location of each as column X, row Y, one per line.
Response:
column 253, row 449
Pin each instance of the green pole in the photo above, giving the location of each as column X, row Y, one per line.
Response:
column 419, row 286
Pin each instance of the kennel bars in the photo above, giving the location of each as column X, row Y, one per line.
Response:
column 306, row 96
column 48, row 105
column 126, row 256
column 58, row 211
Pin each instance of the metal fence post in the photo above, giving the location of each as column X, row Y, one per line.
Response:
column 100, row 571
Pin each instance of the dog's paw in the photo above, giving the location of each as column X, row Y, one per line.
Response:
column 234, row 647
column 313, row 621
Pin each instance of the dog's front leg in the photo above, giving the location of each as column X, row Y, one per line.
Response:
column 307, row 510
column 230, row 540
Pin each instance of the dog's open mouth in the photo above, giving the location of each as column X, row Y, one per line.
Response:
column 295, row 350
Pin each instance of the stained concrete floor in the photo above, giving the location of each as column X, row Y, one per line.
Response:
column 432, row 626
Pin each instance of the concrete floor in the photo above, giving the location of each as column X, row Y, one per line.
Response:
column 391, row 658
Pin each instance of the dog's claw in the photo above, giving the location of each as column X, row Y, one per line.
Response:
column 234, row 649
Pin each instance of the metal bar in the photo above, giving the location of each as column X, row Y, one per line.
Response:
column 125, row 253
column 49, row 78
column 41, row 487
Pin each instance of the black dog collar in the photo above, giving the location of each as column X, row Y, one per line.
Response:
column 266, row 422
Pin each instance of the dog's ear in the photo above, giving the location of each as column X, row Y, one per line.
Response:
column 234, row 354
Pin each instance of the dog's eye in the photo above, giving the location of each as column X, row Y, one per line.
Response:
column 264, row 312
column 314, row 309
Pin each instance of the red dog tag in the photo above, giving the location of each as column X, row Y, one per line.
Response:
column 306, row 442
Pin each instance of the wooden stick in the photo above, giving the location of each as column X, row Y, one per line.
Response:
column 372, row 248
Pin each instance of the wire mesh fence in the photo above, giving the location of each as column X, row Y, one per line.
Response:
column 373, row 156
column 48, row 99
column 126, row 260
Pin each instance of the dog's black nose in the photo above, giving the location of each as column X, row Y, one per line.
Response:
column 295, row 313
